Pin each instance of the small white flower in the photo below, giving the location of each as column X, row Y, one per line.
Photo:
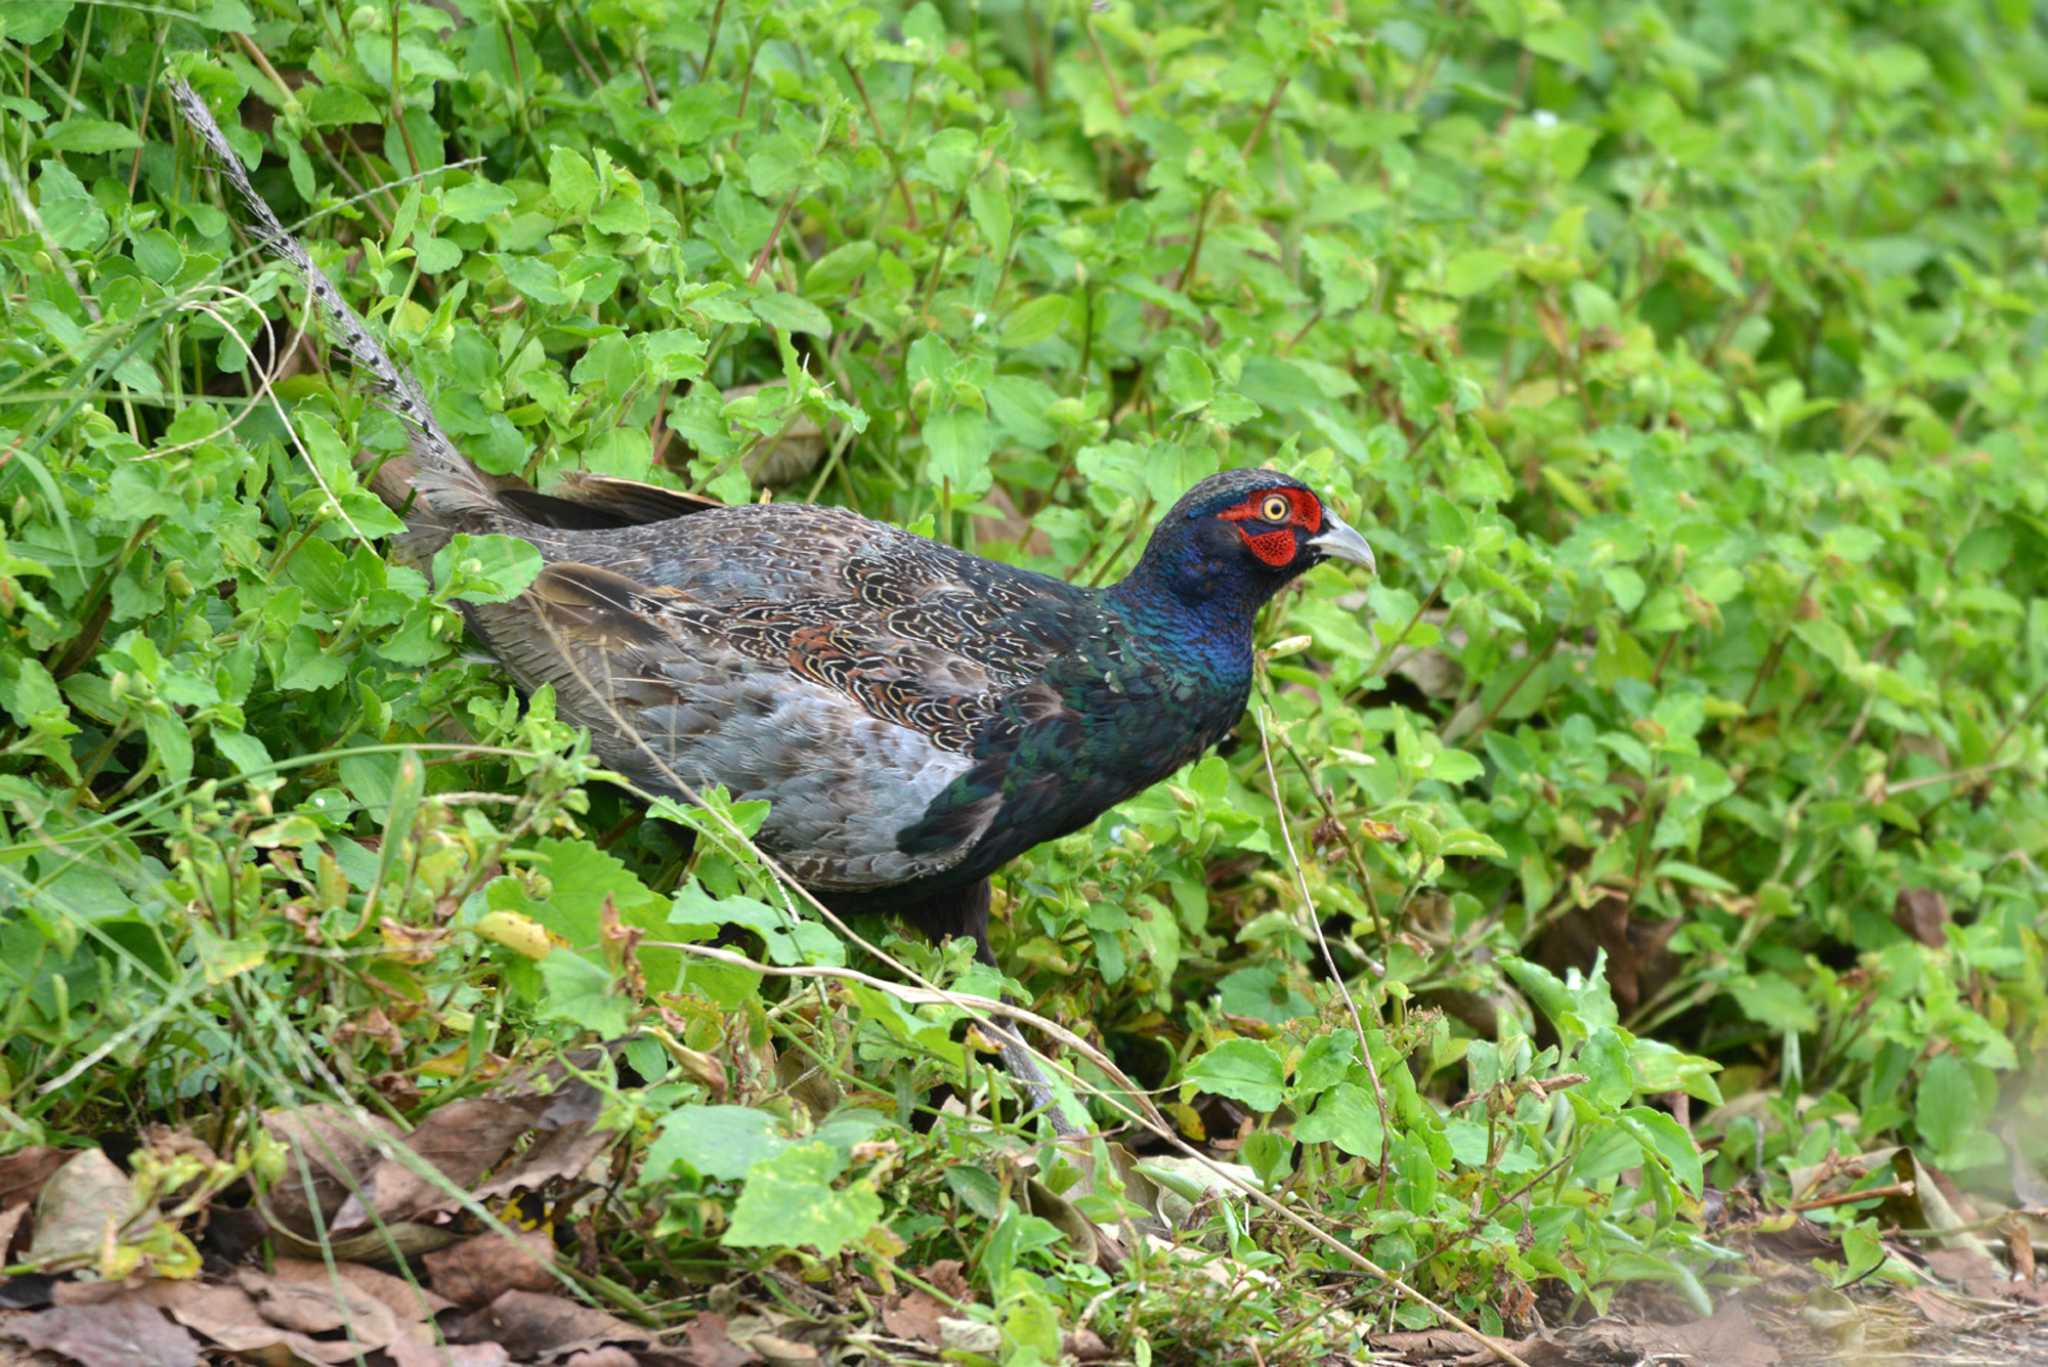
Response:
column 1543, row 118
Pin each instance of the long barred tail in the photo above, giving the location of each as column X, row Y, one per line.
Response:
column 439, row 474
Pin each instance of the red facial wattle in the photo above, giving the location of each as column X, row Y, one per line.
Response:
column 1276, row 547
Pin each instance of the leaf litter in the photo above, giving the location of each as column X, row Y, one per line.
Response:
column 409, row 1275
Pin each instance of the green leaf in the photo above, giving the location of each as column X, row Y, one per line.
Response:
column 776, row 165
column 72, row 217
column 792, row 313
column 957, row 449
column 477, row 201
column 584, row 994
column 1475, row 272
column 492, row 568
column 170, row 742
column 1037, row 320
column 789, row 1201
column 1667, row 1141
column 990, row 208
column 78, row 134
column 721, row 1142
column 1244, row 1070
column 789, row 939
column 1415, row 1174
column 834, row 273
column 1347, row 1117
column 949, row 158
column 1947, row 1108
column 1773, row 1001
column 1186, row 379
column 1328, row 1059
column 331, row 106
column 159, row 254
column 572, row 183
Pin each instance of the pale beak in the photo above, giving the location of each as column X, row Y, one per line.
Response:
column 1339, row 541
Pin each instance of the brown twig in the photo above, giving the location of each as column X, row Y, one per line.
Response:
column 1187, row 272
column 711, row 46
column 1251, row 142
column 931, row 283
column 412, row 154
column 888, row 148
column 1116, row 94
column 1850, row 1198
column 774, row 235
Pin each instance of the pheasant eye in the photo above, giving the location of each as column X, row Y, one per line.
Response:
column 1275, row 508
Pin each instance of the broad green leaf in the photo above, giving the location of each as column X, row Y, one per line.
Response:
column 789, row 1202
column 1243, row 1069
column 491, row 568
column 721, row 1142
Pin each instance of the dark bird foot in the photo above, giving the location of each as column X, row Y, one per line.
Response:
column 940, row 916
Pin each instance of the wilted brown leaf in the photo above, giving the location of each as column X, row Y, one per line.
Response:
column 601, row 1357
column 948, row 1276
column 460, row 1141
column 465, row 1139
column 558, row 1155
column 1939, row 1308
column 707, row 1344
column 531, row 1325
column 299, row 1303
column 10, row 1222
column 79, row 1207
column 777, row 1351
column 238, row 1318
column 333, row 1149
column 23, row 1172
column 406, row 1302
column 122, row 1333
column 476, row 1271
column 1638, row 958
column 1923, row 914
column 915, row 1316
column 1085, row 1345
column 415, row 1351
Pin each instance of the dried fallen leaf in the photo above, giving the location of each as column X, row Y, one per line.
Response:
column 333, row 1148
column 559, row 1155
column 1939, row 1307
column 707, row 1344
column 416, row 1351
column 601, row 1357
column 1085, row 1345
column 233, row 1320
column 122, row 1333
column 23, row 1172
column 532, row 1325
column 80, row 1207
column 304, row 1306
column 970, row 1336
column 777, row 1351
column 451, row 1149
column 915, row 1316
column 476, row 1271
column 406, row 1302
column 460, row 1142
column 1923, row 914
column 10, row 1222
column 1639, row 959
column 948, row 1276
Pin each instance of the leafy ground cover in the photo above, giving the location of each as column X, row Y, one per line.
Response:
column 1629, row 901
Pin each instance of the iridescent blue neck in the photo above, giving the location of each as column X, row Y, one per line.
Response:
column 1199, row 615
